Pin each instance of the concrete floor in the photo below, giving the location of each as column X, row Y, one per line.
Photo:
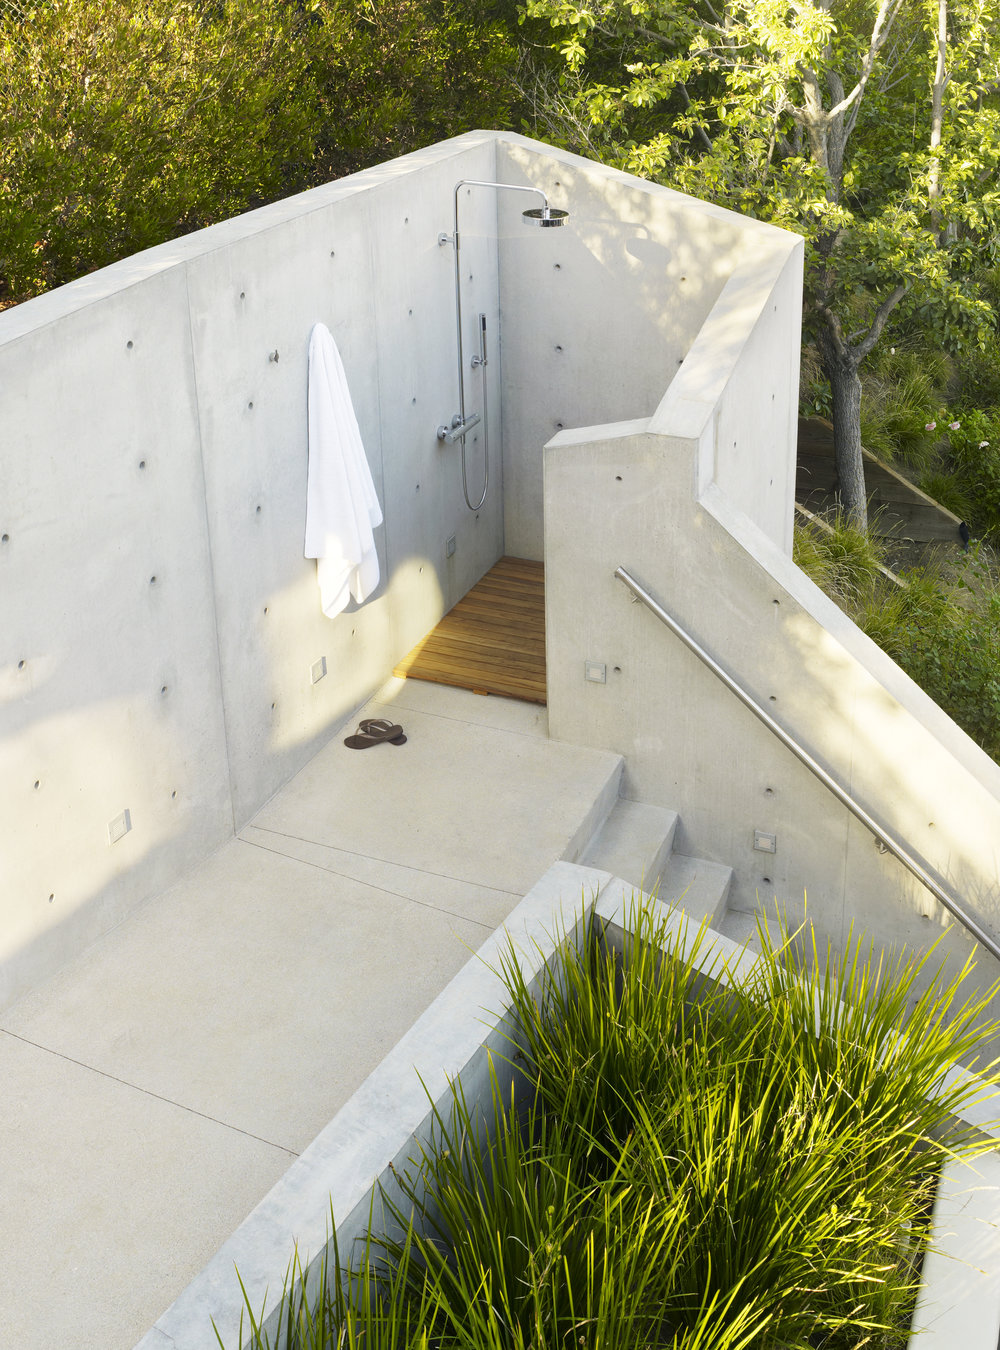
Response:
column 156, row 1089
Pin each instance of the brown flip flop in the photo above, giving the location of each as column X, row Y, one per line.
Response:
column 376, row 725
column 387, row 731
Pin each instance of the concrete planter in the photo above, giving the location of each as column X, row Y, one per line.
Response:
column 457, row 1039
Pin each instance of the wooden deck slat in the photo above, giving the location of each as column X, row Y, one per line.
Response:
column 512, row 585
column 517, row 567
column 479, row 627
column 496, row 608
column 493, row 640
column 466, row 642
column 480, row 660
column 528, row 589
column 496, row 611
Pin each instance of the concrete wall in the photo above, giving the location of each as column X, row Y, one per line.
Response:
column 737, row 395
column 624, row 496
column 159, row 620
column 160, row 624
column 109, row 669
column 599, row 315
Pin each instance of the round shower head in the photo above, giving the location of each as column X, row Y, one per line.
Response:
column 546, row 216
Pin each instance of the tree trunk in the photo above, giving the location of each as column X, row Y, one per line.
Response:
column 845, row 384
column 937, row 117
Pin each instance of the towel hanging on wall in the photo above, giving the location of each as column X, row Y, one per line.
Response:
column 342, row 509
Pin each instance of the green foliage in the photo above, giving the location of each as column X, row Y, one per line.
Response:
column 943, row 630
column 123, row 126
column 948, row 490
column 975, row 453
column 399, row 74
column 819, row 118
column 903, row 394
column 938, row 415
column 704, row 1163
column 841, row 559
column 980, row 370
column 815, row 394
column 953, row 653
column 719, row 102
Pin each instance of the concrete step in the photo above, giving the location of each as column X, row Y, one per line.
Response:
column 605, row 786
column 634, row 843
column 699, row 888
column 740, row 926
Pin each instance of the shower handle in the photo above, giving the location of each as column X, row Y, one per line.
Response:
column 460, row 427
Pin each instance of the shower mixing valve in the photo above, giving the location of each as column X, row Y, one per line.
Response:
column 459, row 427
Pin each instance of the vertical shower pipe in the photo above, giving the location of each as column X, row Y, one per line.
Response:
column 461, row 424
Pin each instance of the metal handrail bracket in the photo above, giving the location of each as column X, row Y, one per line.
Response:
column 889, row 842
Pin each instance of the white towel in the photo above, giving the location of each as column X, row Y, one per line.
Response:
column 341, row 506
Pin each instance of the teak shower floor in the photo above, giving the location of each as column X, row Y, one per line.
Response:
column 493, row 641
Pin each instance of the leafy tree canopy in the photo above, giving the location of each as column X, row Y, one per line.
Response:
column 871, row 127
column 124, row 124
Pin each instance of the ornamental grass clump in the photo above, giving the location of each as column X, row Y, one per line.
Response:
column 703, row 1161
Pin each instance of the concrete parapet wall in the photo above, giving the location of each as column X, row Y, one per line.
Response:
column 601, row 318
column 160, row 623
column 622, row 496
column 738, row 389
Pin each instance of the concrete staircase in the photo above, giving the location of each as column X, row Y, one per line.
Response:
column 636, row 843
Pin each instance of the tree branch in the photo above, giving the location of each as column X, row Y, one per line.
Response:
column 700, row 131
column 880, row 320
column 884, row 20
column 834, row 328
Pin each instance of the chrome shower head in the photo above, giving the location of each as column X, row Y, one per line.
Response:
column 546, row 216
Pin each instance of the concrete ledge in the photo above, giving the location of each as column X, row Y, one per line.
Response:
column 461, row 1038
column 959, row 1303
column 332, row 1182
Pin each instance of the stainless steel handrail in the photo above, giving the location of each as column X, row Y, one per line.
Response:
column 891, row 844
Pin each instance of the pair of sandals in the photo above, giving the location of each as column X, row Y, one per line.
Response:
column 373, row 731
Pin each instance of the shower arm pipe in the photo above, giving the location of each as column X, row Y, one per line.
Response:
column 460, row 427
